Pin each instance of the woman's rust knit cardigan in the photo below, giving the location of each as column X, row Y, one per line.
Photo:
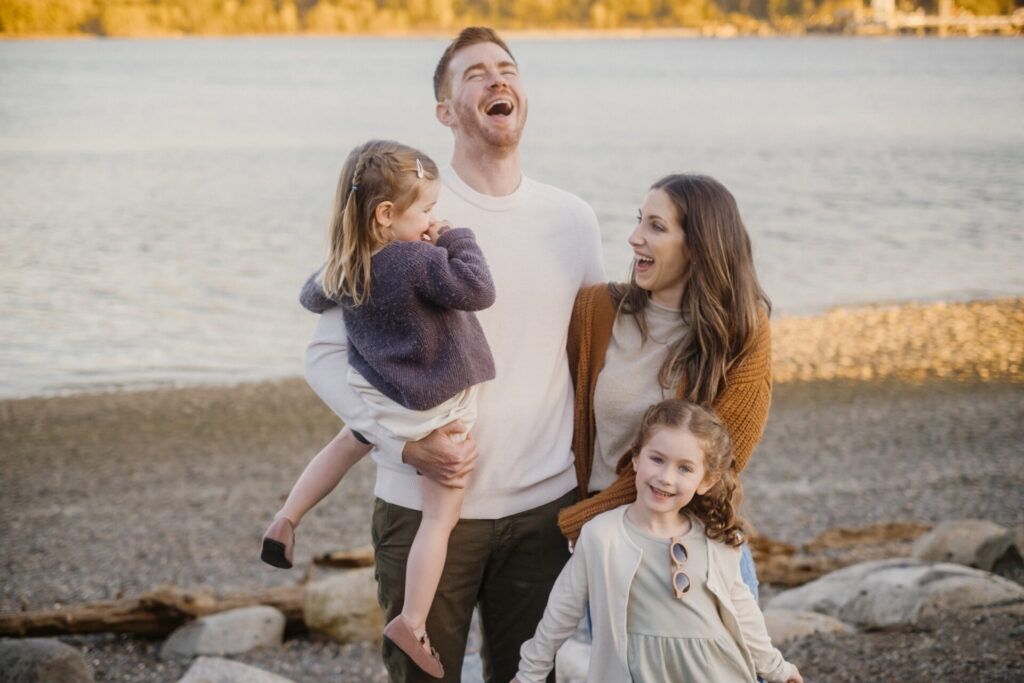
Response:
column 742, row 405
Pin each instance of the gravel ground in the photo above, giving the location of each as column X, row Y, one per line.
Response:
column 109, row 495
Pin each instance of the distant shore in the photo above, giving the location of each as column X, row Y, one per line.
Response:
column 751, row 28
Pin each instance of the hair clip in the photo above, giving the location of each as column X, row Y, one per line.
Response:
column 354, row 187
column 419, row 169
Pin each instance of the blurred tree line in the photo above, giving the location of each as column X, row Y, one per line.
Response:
column 226, row 17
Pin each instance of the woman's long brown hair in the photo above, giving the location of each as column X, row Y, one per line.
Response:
column 722, row 297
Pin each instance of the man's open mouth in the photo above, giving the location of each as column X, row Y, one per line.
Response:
column 500, row 107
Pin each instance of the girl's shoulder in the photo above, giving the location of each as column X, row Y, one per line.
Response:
column 400, row 248
column 402, row 257
column 713, row 545
column 604, row 525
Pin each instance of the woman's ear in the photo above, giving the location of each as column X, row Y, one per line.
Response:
column 708, row 484
column 384, row 214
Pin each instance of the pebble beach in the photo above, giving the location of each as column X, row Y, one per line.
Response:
column 890, row 413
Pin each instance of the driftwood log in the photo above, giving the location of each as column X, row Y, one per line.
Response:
column 154, row 613
column 164, row 608
column 346, row 559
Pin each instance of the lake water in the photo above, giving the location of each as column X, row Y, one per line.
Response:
column 162, row 201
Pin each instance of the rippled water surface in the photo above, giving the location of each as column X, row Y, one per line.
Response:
column 162, row 201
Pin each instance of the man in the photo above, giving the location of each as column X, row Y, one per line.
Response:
column 542, row 245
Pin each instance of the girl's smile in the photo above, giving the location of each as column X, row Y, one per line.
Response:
column 670, row 471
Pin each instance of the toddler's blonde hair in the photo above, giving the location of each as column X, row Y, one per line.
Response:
column 374, row 172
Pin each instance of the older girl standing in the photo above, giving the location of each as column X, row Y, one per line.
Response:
column 692, row 323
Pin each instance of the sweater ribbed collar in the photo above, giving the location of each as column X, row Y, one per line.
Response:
column 453, row 182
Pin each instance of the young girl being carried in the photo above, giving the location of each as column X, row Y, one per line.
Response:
column 662, row 575
column 407, row 285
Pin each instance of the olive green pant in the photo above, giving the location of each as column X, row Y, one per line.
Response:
column 505, row 566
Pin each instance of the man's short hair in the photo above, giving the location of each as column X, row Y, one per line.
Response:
column 468, row 36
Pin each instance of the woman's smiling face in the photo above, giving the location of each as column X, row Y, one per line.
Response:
column 661, row 258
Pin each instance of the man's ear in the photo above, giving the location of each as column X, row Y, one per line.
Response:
column 384, row 214
column 708, row 484
column 445, row 113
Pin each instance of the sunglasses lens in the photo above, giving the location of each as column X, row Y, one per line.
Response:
column 681, row 582
column 678, row 552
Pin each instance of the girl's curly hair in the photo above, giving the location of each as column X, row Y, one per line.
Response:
column 716, row 509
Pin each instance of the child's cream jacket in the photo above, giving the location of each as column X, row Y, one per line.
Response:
column 600, row 573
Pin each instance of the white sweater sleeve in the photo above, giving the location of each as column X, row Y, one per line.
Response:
column 566, row 605
column 768, row 660
column 327, row 374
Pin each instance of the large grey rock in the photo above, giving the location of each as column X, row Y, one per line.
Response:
column 971, row 542
column 888, row 593
column 787, row 624
column 344, row 606
column 226, row 633
column 42, row 660
column 216, row 670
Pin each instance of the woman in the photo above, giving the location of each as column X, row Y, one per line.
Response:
column 692, row 322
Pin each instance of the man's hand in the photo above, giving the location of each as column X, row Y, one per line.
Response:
column 439, row 456
column 795, row 677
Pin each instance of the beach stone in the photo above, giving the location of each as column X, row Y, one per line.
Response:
column 225, row 633
column 42, row 660
column 787, row 624
column 971, row 542
column 344, row 606
column 888, row 593
column 572, row 662
column 217, row 670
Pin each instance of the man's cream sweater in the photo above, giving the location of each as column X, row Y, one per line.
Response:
column 542, row 245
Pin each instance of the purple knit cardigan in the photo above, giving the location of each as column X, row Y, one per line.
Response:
column 415, row 339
